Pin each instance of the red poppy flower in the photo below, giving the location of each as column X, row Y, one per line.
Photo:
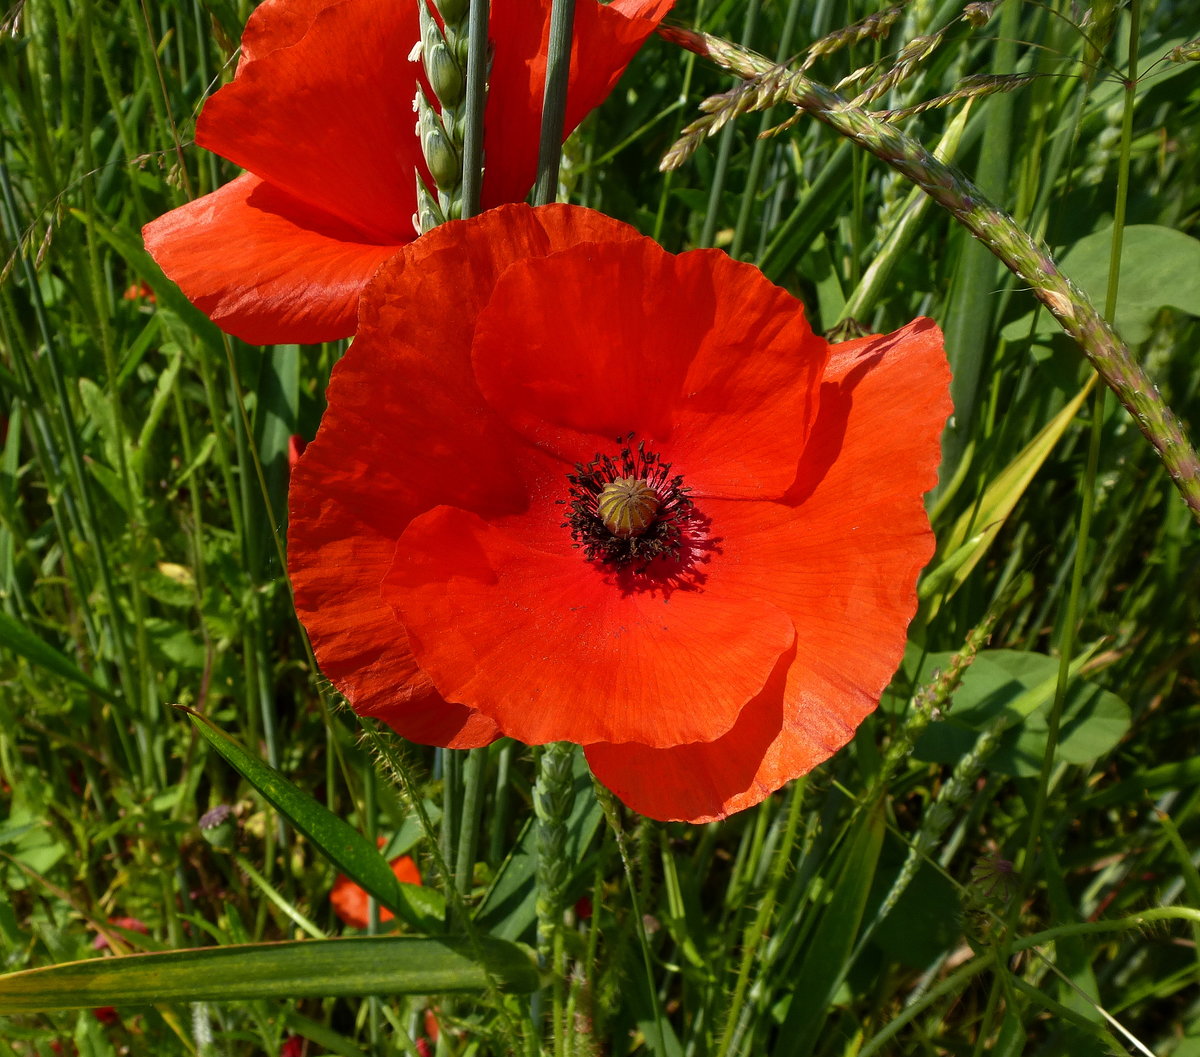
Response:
column 570, row 486
column 350, row 900
column 320, row 115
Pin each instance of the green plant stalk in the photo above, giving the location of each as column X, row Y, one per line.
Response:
column 1018, row 251
column 370, row 822
column 1087, row 501
column 553, row 798
column 476, row 98
column 554, row 102
column 612, row 815
column 472, row 814
column 664, row 196
column 272, row 893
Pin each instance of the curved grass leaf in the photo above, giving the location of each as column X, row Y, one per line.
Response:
column 341, row 843
column 16, row 637
column 369, row 965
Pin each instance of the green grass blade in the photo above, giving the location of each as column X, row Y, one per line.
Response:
column 343, row 845
column 818, row 978
column 386, row 965
column 19, row 639
column 968, row 541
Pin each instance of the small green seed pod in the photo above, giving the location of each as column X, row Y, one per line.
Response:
column 445, row 166
column 627, row 507
column 445, row 77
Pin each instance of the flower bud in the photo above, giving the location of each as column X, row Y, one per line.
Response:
column 218, row 827
column 444, row 72
column 429, row 214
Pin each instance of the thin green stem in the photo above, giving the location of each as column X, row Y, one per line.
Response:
column 554, row 102
column 476, row 98
column 767, row 904
column 472, row 812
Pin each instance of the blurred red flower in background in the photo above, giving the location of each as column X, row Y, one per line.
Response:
column 350, row 899
column 100, row 942
column 570, row 486
column 320, row 115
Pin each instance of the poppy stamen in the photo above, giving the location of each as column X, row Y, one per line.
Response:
column 627, row 508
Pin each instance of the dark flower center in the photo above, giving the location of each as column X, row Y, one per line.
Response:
column 628, row 508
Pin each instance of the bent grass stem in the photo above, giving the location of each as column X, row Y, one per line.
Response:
column 770, row 84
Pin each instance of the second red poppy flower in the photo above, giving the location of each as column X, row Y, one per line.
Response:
column 320, row 115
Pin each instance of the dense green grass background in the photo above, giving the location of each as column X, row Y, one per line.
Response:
column 868, row 908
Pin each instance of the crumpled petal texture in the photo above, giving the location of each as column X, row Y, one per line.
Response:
column 444, row 593
column 320, row 115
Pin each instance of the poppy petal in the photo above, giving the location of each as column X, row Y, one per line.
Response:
column 263, row 265
column 703, row 358
column 369, row 470
column 843, row 563
column 276, row 24
column 605, row 38
column 552, row 647
column 329, row 118
column 341, row 540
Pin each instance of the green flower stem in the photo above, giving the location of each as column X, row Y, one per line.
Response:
column 1016, row 249
column 476, row 97
column 1070, row 617
column 716, row 183
column 553, row 799
column 554, row 102
column 472, row 813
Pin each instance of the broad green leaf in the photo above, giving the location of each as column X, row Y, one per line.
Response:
column 962, row 548
column 19, row 639
column 1021, row 686
column 342, row 844
column 368, row 965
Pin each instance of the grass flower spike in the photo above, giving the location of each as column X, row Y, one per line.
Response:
column 320, row 115
column 571, row 487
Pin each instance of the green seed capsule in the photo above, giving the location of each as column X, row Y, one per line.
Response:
column 627, row 507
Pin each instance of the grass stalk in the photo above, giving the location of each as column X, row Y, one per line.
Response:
column 1017, row 249
column 554, row 101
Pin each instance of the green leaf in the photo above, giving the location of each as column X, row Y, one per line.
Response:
column 368, row 965
column 1022, row 684
column 342, row 844
column 20, row 640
